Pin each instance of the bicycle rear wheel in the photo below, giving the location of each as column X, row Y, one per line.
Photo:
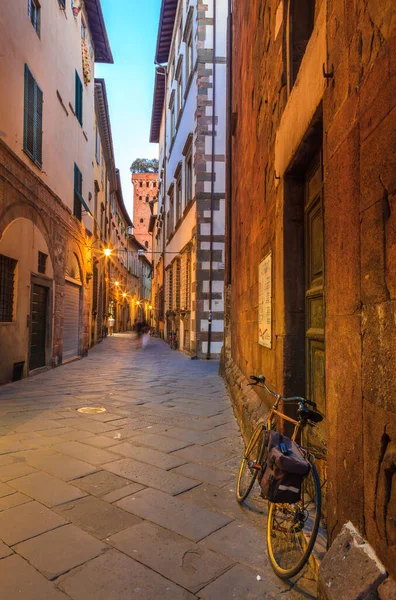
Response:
column 251, row 462
column 292, row 528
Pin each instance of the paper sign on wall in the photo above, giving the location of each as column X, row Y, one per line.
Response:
column 265, row 302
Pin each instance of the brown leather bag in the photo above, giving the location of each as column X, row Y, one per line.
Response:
column 284, row 470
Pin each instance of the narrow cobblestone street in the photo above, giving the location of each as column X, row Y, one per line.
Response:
column 133, row 503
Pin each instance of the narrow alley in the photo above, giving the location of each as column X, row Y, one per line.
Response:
column 137, row 501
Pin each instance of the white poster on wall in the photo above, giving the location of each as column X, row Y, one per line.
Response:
column 265, row 301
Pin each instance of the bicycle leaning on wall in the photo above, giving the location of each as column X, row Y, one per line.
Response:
column 292, row 526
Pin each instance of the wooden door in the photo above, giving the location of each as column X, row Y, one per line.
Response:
column 38, row 331
column 315, row 292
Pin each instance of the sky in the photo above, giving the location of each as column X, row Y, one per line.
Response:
column 132, row 30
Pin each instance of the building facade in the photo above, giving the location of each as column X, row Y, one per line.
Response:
column 144, row 193
column 311, row 277
column 46, row 189
column 188, row 121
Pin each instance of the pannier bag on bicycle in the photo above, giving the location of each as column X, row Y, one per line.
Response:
column 284, row 470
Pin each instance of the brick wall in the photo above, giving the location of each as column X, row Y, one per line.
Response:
column 144, row 192
column 352, row 112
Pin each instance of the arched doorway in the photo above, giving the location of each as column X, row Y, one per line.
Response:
column 72, row 309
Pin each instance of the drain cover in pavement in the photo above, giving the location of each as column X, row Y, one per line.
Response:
column 91, row 410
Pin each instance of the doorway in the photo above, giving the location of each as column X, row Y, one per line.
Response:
column 38, row 329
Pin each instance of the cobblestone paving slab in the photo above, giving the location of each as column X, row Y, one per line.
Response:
column 137, row 503
column 58, row 551
column 151, row 476
column 172, row 513
column 20, row 580
column 176, row 558
column 23, row 522
column 114, row 576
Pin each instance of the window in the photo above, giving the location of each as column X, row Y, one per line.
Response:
column 170, row 224
column 147, row 198
column 172, row 116
column 301, row 20
column 189, row 56
column 146, row 244
column 97, row 146
column 155, row 184
column 178, row 197
column 179, row 81
column 142, row 220
column 147, row 184
column 78, row 103
column 34, row 14
column 42, row 262
column 77, row 193
column 140, row 184
column 33, row 119
column 83, row 30
column 62, row 4
column 140, row 197
column 7, row 280
column 187, row 152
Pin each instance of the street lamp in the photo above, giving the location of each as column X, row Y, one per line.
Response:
column 124, row 295
column 107, row 252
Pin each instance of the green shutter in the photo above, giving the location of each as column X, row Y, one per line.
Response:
column 79, row 99
column 38, row 113
column 77, row 192
column 33, row 119
column 28, row 140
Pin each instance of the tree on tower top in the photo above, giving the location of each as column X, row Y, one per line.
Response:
column 144, row 165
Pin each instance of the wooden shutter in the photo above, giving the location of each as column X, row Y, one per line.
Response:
column 28, row 141
column 77, row 192
column 33, row 119
column 79, row 99
column 39, row 126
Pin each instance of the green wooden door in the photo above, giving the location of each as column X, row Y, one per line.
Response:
column 315, row 294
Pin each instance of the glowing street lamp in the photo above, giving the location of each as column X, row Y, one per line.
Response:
column 117, row 283
column 124, row 295
column 107, row 252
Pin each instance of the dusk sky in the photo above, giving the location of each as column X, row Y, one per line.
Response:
column 132, row 29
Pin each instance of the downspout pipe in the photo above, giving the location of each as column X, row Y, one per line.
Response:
column 229, row 147
column 212, row 185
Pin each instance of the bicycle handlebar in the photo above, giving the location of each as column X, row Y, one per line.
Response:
column 261, row 381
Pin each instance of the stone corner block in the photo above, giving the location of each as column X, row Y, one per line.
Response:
column 387, row 590
column 350, row 570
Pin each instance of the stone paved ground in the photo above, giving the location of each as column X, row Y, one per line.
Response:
column 136, row 502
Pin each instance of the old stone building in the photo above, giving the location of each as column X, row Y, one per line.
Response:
column 311, row 244
column 47, row 183
column 144, row 193
column 188, row 122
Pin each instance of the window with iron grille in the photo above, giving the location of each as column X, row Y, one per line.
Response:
column 34, row 14
column 33, row 119
column 77, row 207
column 95, row 289
column 62, row 4
column 7, row 280
column 42, row 262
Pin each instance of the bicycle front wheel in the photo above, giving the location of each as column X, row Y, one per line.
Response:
column 292, row 528
column 251, row 463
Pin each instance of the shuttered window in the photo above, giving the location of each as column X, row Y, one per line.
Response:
column 33, row 119
column 34, row 14
column 78, row 103
column 77, row 207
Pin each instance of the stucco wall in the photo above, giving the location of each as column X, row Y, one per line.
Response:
column 53, row 59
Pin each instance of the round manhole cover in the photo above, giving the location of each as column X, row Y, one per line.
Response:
column 91, row 410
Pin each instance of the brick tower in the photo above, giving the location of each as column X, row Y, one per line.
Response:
column 144, row 192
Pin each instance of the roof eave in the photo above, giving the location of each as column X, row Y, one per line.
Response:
column 98, row 31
